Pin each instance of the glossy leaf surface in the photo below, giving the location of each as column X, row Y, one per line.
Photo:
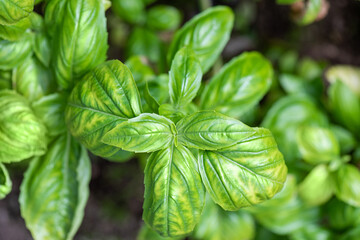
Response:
column 185, row 77
column 245, row 174
column 174, row 194
column 347, row 184
column 5, row 182
column 42, row 48
column 105, row 97
column 13, row 54
column 145, row 133
column 210, row 130
column 81, row 41
column 22, row 135
column 12, row 11
column 207, row 34
column 239, row 85
column 55, row 190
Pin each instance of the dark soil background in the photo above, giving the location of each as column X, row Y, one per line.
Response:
column 114, row 208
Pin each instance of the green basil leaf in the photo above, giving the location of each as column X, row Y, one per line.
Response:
column 51, row 110
column 311, row 231
column 55, row 190
column 216, row 224
column 317, row 187
column 5, row 182
column 13, row 54
column 159, row 88
column 146, row 133
column 345, row 138
column 150, row 100
column 171, row 112
column 341, row 95
column 239, row 86
column 54, row 13
column 349, row 75
column 317, row 144
column 207, row 34
column 163, row 17
column 284, row 118
column 5, row 80
column 342, row 216
column 185, row 77
column 141, row 71
column 33, row 80
column 80, row 43
column 14, row 32
column 42, row 48
column 210, row 130
column 146, row 233
column 12, row 11
column 22, row 135
column 174, row 194
column 347, row 184
column 105, row 97
column 313, row 8
column 245, row 174
column 352, row 234
column 131, row 11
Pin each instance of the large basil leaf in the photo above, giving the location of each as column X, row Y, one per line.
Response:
column 174, row 194
column 14, row 32
column 51, row 110
column 245, row 174
column 347, row 184
column 145, row 133
column 42, row 48
column 32, row 80
column 207, row 34
column 80, row 43
column 239, row 86
column 317, row 144
column 22, row 135
column 5, row 182
column 317, row 188
column 105, row 97
column 12, row 11
column 163, row 17
column 55, row 190
column 210, row 130
column 284, row 119
column 13, row 54
column 185, row 77
column 218, row 224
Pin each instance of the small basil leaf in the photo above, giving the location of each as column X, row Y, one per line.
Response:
column 313, row 8
column 146, row 133
column 185, row 77
column 13, row 54
column 349, row 75
column 207, row 34
column 105, row 97
column 131, row 11
column 341, row 215
column 80, row 43
column 14, row 32
column 159, row 88
column 55, row 190
column 317, row 187
column 245, row 174
column 174, row 194
column 42, row 48
column 12, row 11
column 51, row 110
column 210, row 130
column 239, row 86
column 317, row 144
column 5, row 182
column 216, row 224
column 32, row 80
column 171, row 112
column 345, row 138
column 163, row 17
column 347, row 184
column 22, row 135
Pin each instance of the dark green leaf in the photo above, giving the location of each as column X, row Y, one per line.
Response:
column 341, row 215
column 245, row 174
column 207, row 34
column 132, row 11
column 174, row 194
column 55, row 190
column 163, row 17
column 141, row 71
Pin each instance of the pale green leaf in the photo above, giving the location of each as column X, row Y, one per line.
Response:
column 207, row 34
column 185, row 77
column 239, row 85
column 105, row 97
column 55, row 190
column 210, row 130
column 5, row 182
column 22, row 135
column 12, row 11
column 313, row 8
column 16, row 31
column 146, row 133
column 245, row 174
column 174, row 194
column 13, row 54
